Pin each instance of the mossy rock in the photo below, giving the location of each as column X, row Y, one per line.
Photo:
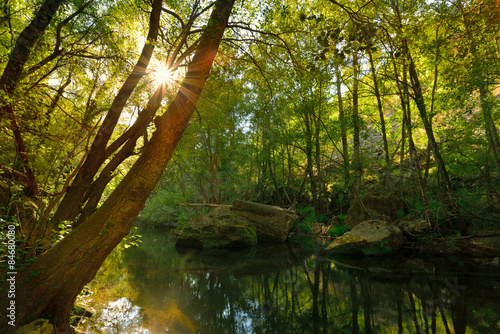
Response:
column 273, row 223
column 219, row 229
column 415, row 229
column 39, row 326
column 370, row 238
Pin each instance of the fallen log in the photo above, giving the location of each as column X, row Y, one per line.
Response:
column 273, row 223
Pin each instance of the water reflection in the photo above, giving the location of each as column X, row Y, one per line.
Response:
column 121, row 316
column 288, row 289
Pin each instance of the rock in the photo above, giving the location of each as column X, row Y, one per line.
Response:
column 220, row 228
column 371, row 238
column 39, row 326
column 374, row 206
column 319, row 229
column 414, row 228
column 273, row 223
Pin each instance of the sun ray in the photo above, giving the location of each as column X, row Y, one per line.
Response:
column 163, row 75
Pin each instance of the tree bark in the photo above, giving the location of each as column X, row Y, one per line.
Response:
column 356, row 161
column 382, row 120
column 51, row 284
column 449, row 199
column 20, row 54
column 489, row 124
column 71, row 203
column 343, row 127
column 94, row 193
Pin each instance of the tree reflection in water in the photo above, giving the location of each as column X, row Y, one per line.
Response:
column 286, row 289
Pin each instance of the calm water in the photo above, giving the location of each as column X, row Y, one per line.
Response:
column 287, row 288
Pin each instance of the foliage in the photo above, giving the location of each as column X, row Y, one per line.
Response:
column 337, row 230
column 309, row 105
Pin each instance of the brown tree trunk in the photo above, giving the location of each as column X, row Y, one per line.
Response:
column 382, row 120
column 343, row 127
column 489, row 124
column 94, row 193
column 449, row 199
column 13, row 71
column 71, row 203
column 413, row 158
column 309, row 156
column 321, row 198
column 356, row 161
column 51, row 284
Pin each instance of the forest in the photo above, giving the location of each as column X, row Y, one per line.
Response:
column 114, row 112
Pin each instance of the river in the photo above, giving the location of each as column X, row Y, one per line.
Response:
column 286, row 288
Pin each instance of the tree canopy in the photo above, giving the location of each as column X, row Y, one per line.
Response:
column 307, row 105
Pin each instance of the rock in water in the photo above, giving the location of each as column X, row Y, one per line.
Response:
column 273, row 223
column 372, row 237
column 220, row 228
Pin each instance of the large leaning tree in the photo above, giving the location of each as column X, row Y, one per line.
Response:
column 48, row 287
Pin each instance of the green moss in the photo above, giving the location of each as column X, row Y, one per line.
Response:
column 224, row 231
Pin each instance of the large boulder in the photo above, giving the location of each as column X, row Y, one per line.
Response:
column 218, row 229
column 273, row 223
column 372, row 237
column 415, row 228
column 374, row 206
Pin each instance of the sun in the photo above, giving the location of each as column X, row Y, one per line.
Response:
column 163, row 75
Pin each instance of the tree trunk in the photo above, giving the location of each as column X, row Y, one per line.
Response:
column 343, row 128
column 71, row 203
column 50, row 285
column 407, row 125
column 96, row 189
column 489, row 124
column 20, row 54
column 449, row 199
column 321, row 196
column 382, row 120
column 356, row 161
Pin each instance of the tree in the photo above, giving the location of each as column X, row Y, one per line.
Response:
column 448, row 194
column 50, row 285
column 12, row 74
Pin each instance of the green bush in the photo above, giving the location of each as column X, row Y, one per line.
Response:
column 337, row 230
column 302, row 227
column 162, row 210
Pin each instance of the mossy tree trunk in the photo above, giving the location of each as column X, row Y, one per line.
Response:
column 48, row 288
